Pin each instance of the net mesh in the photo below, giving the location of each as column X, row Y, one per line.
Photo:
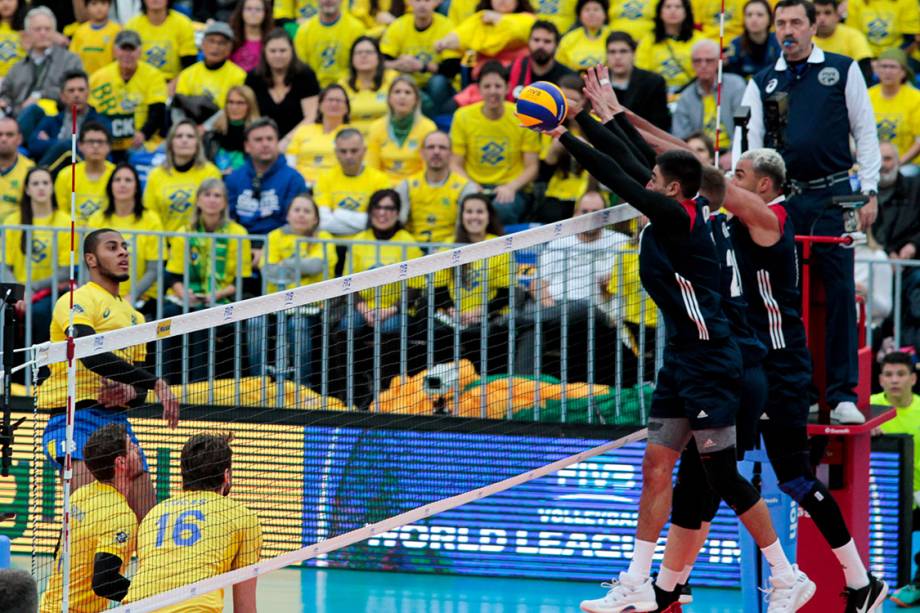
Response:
column 376, row 387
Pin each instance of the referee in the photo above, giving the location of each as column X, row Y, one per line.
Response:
column 807, row 106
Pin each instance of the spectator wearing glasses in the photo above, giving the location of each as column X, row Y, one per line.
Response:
column 310, row 148
column 92, row 174
column 642, row 91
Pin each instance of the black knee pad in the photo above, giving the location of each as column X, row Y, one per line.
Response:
column 694, row 501
column 722, row 473
column 788, row 451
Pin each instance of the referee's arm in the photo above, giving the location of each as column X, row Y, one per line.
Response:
column 755, row 127
column 863, row 129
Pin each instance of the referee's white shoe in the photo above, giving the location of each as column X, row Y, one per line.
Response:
column 790, row 595
column 625, row 594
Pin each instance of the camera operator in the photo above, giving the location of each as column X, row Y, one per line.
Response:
column 806, row 106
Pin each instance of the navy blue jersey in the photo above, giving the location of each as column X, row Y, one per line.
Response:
column 771, row 275
column 734, row 301
column 682, row 277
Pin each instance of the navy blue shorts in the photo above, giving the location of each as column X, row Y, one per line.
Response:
column 86, row 421
column 702, row 383
column 753, row 403
column 788, row 380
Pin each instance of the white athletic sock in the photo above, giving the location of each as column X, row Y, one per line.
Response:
column 667, row 579
column 779, row 563
column 640, row 567
column 685, row 574
column 853, row 570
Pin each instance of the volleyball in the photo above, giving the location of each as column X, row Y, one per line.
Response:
column 541, row 105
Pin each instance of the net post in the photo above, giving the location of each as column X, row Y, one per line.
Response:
column 484, row 335
column 512, row 320
column 458, row 273
column 618, row 351
column 590, row 344
column 564, row 343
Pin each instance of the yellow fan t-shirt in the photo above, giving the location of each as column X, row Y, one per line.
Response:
column 366, row 256
column 199, row 80
column 386, row 155
column 670, row 58
column 846, row 41
column 884, row 22
column 493, row 150
column 579, row 50
column 312, row 151
column 402, row 38
column 126, row 105
column 42, row 246
column 12, row 184
column 90, row 193
column 326, row 47
column 897, row 119
column 94, row 44
column 283, row 244
column 11, row 50
column 171, row 194
column 494, row 273
column 433, row 209
column 163, row 45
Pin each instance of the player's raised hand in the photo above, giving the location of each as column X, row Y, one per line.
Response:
column 169, row 402
column 556, row 132
column 112, row 394
column 598, row 90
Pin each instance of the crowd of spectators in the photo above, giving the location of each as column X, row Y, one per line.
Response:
column 384, row 121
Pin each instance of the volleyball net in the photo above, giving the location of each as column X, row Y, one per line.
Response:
column 363, row 405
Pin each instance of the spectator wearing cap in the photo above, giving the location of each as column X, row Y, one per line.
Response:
column 896, row 104
column 131, row 94
column 52, row 137
column 260, row 191
column 40, row 73
column 201, row 89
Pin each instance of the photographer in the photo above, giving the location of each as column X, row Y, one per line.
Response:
column 806, row 106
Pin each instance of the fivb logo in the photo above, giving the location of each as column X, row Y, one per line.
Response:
column 455, row 257
column 605, row 215
column 557, row 230
column 346, row 284
column 403, row 270
column 98, row 342
column 288, row 298
column 228, row 313
column 508, row 243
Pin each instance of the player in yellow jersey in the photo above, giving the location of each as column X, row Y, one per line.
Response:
column 344, row 192
column 431, row 198
column 94, row 144
column 201, row 89
column 324, row 41
column 13, row 167
column 199, row 533
column 107, row 383
column 896, row 104
column 489, row 147
column 94, row 40
column 103, row 531
column 168, row 38
column 131, row 94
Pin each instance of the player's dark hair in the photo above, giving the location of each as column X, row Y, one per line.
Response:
column 493, row 227
column 19, row 593
column 239, row 27
column 348, row 133
column 523, row 6
column 26, row 215
column 259, row 123
column 493, row 67
column 747, row 43
column 100, row 451
column 899, row 358
column 548, row 26
column 621, row 37
column 377, row 199
column 712, row 186
column 169, row 5
column 805, row 4
column 605, row 4
column 138, row 209
column 205, row 458
column 826, row 3
column 92, row 240
column 706, row 140
column 322, row 96
column 93, row 126
column 683, row 167
column 74, row 74
column 294, row 69
column 686, row 28
column 378, row 72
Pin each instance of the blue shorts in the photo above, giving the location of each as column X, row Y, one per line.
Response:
column 86, row 421
column 789, row 378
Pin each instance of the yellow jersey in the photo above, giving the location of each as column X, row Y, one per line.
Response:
column 90, row 193
column 494, row 273
column 312, row 151
column 706, row 13
column 282, row 244
column 12, row 184
column 171, row 194
column 635, row 17
column 631, row 304
column 93, row 306
column 846, row 41
column 461, row 9
column 143, row 247
column 397, row 161
column 402, row 38
column 368, row 257
column 368, row 105
column 560, row 12
column 126, row 105
column 206, row 276
column 884, row 22
column 11, row 50
column 906, row 421
column 94, row 44
column 296, row 10
column 580, row 50
column 493, row 150
column 42, row 252
column 190, row 537
column 511, row 32
column 670, row 58
column 326, row 47
column 433, row 209
column 897, row 119
column 199, row 80
column 102, row 523
column 367, row 14
column 165, row 44
column 336, row 190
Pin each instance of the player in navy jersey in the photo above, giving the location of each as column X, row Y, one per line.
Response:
column 699, row 384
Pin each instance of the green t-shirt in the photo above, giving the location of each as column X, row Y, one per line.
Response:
column 907, row 421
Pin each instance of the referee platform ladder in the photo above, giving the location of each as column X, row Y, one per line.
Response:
column 841, row 455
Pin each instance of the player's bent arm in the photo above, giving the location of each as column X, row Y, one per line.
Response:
column 661, row 210
column 107, row 579
column 244, row 597
column 761, row 222
column 112, row 367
